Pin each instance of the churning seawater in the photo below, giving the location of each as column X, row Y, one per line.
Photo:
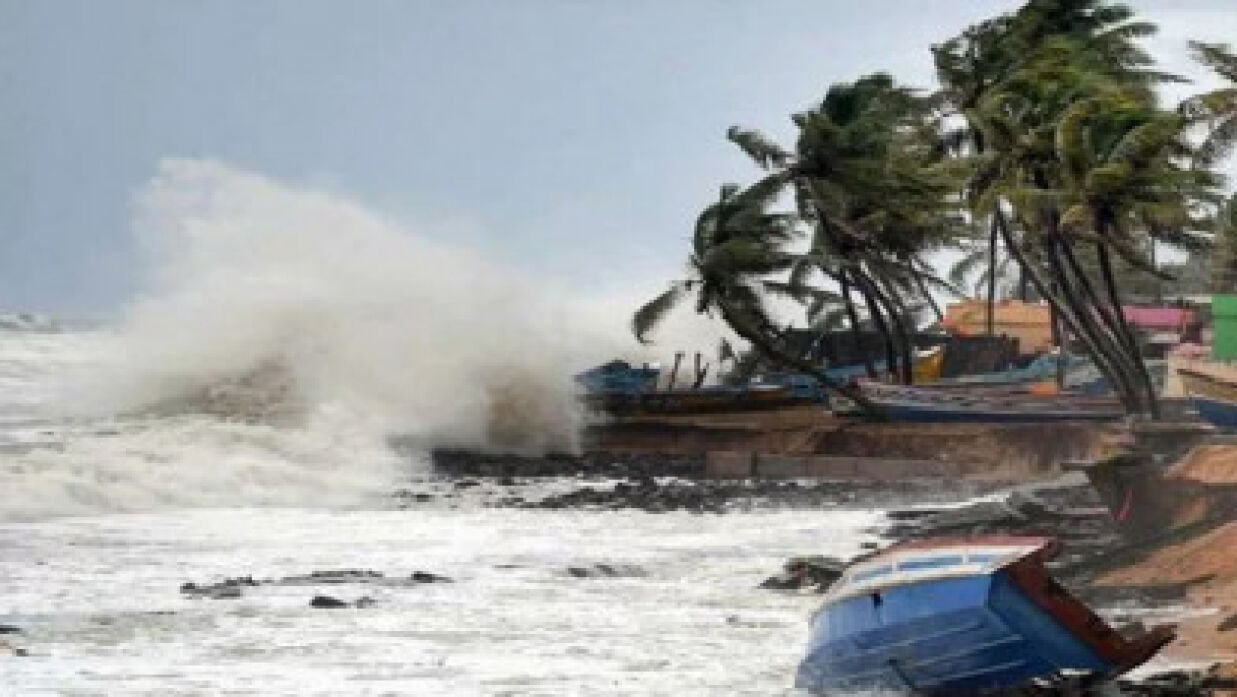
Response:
column 232, row 421
column 96, row 592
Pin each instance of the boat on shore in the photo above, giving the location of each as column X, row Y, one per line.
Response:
column 1213, row 397
column 621, row 389
column 926, row 368
column 928, row 405
column 703, row 400
column 960, row 616
column 1221, row 413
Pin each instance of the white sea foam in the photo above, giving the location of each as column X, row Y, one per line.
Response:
column 283, row 334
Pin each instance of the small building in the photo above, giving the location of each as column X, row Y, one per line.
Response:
column 1224, row 336
column 1158, row 320
column 1029, row 323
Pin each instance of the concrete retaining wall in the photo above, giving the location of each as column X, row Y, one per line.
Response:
column 841, row 450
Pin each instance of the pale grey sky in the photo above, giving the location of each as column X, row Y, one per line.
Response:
column 576, row 140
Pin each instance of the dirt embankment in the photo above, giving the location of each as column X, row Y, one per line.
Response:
column 1205, row 561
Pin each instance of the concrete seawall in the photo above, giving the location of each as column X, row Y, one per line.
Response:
column 808, row 443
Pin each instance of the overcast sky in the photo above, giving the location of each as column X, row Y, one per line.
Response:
column 576, row 140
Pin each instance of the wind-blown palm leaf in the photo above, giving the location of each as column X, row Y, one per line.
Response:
column 654, row 311
column 766, row 153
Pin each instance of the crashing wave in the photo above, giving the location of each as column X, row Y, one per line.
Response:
column 266, row 394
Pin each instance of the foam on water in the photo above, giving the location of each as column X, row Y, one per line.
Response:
column 98, row 598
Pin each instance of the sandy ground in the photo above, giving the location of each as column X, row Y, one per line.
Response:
column 1210, row 464
column 1207, row 562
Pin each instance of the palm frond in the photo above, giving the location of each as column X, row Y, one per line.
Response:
column 654, row 311
column 766, row 153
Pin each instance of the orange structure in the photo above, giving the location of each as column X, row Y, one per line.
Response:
column 1029, row 323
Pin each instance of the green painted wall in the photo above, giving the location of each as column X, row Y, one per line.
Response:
column 1224, row 315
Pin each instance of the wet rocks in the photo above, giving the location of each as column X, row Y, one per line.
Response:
column 645, row 494
column 464, row 463
column 606, row 570
column 12, row 649
column 232, row 588
column 1065, row 513
column 331, row 576
column 227, row 589
column 650, row 482
column 327, row 602
column 427, row 577
column 9, row 629
column 816, row 572
column 706, row 496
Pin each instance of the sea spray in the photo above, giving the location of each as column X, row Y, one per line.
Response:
column 254, row 277
column 283, row 335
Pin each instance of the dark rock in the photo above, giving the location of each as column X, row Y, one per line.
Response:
column 985, row 516
column 782, row 582
column 1029, row 505
column 227, row 589
column 326, row 601
column 364, row 601
column 9, row 629
column 331, row 576
column 427, row 577
column 1229, row 624
column 605, row 570
column 806, row 572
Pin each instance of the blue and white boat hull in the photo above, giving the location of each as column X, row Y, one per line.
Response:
column 1220, row 413
column 954, row 618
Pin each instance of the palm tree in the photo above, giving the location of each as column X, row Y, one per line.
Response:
column 1124, row 181
column 968, row 66
column 871, row 184
column 1217, row 109
column 737, row 247
column 1076, row 152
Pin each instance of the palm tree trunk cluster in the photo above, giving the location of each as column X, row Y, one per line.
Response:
column 1096, row 322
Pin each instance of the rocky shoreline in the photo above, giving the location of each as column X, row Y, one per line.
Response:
column 1069, row 510
column 655, row 484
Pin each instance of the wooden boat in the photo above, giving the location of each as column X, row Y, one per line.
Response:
column 1207, row 384
column 695, row 401
column 1220, row 413
column 1214, row 398
column 1042, row 368
column 960, row 616
column 925, row 368
column 927, row 405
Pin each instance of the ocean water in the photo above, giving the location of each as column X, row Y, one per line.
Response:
column 103, row 517
column 99, row 599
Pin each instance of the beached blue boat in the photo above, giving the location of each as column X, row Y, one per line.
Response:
column 1218, row 412
column 1042, row 368
column 1214, row 396
column 930, row 405
column 960, row 616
